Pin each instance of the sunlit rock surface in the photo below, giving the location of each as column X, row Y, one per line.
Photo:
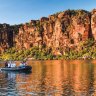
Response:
column 58, row 32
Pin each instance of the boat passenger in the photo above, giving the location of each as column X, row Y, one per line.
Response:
column 6, row 64
column 13, row 64
column 9, row 64
column 23, row 64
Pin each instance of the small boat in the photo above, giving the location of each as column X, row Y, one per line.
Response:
column 20, row 69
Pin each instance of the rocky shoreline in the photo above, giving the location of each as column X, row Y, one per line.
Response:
column 71, row 32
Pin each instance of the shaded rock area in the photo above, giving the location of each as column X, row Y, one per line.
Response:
column 7, row 36
column 59, row 32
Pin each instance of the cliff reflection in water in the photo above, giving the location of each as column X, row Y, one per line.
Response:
column 56, row 78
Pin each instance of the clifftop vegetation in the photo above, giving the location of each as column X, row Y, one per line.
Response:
column 69, row 34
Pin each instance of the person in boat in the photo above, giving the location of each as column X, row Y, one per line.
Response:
column 6, row 64
column 23, row 64
column 11, row 64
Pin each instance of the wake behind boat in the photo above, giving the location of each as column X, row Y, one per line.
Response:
column 19, row 68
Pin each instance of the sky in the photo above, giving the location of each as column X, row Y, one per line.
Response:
column 22, row 11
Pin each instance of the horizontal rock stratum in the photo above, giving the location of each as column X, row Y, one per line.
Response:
column 58, row 32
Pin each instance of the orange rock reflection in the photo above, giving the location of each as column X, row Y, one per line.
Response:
column 59, row 77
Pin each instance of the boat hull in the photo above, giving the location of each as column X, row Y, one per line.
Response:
column 24, row 68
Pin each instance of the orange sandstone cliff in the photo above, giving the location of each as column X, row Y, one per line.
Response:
column 59, row 32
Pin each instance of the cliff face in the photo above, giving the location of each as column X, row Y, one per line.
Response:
column 93, row 23
column 29, row 35
column 6, row 37
column 59, row 32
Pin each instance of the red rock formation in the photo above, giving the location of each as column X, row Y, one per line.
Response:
column 28, row 35
column 6, row 37
column 93, row 23
column 59, row 32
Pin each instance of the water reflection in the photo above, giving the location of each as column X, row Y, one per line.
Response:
column 52, row 78
column 9, row 85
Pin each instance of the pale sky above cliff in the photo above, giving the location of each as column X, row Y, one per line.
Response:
column 21, row 11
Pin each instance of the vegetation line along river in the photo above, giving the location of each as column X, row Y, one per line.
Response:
column 64, row 35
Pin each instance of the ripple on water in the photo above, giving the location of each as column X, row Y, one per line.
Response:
column 51, row 78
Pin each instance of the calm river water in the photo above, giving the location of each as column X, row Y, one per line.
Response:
column 51, row 78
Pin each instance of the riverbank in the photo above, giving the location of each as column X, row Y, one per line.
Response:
column 87, row 50
column 36, row 54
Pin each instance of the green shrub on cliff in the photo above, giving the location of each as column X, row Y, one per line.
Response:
column 6, row 57
column 11, row 50
column 88, row 51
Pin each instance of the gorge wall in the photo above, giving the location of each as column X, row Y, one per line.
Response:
column 59, row 32
column 6, row 37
